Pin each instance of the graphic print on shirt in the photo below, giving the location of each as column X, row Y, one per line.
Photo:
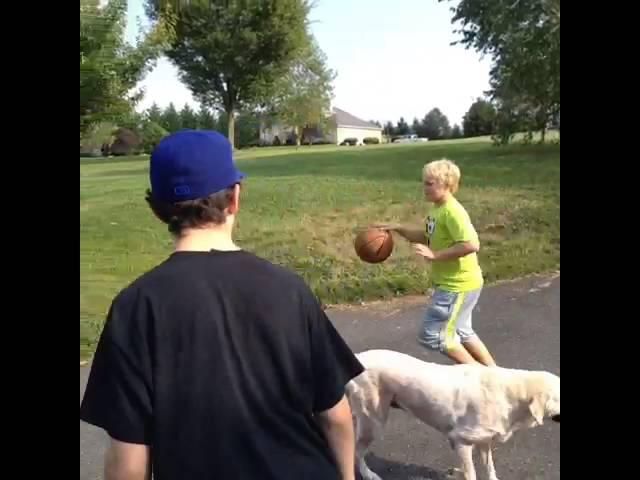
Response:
column 431, row 227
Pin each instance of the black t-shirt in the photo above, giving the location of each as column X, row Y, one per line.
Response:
column 218, row 361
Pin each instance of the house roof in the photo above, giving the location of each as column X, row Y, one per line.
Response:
column 345, row 119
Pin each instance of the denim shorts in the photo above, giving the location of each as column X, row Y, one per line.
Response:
column 447, row 321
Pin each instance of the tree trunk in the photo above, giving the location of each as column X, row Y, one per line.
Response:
column 542, row 134
column 543, row 123
column 229, row 106
column 295, row 132
column 231, row 124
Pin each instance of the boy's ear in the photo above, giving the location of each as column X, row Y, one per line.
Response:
column 234, row 206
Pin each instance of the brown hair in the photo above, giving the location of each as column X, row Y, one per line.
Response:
column 192, row 213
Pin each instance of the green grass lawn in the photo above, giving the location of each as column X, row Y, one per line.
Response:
column 301, row 209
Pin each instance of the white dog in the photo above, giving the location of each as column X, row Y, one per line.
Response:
column 472, row 405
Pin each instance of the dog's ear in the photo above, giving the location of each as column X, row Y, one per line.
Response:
column 536, row 407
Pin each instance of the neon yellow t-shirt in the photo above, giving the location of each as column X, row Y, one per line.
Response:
column 447, row 225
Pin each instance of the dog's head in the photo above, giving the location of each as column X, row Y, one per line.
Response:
column 544, row 396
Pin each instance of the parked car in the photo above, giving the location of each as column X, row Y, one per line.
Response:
column 409, row 139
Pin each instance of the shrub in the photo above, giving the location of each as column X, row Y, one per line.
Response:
column 152, row 133
column 91, row 144
column 126, row 142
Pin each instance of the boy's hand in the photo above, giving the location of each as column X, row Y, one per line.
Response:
column 424, row 251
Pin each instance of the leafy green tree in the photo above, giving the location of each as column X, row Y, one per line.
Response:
column 303, row 97
column 480, row 119
column 205, row 118
column 456, row 132
column 110, row 68
column 523, row 39
column 188, row 118
column 435, row 125
column 231, row 53
column 402, row 128
column 171, row 120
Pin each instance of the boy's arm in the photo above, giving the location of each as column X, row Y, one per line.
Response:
column 333, row 366
column 337, row 425
column 127, row 461
column 412, row 234
column 456, row 251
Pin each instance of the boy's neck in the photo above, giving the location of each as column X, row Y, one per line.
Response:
column 444, row 199
column 204, row 239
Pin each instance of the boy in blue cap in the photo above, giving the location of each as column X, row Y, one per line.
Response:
column 217, row 363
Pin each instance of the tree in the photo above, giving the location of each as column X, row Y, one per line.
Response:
column 303, row 97
column 402, row 128
column 131, row 120
column 188, row 118
column 171, row 120
column 154, row 114
column 221, row 122
column 529, row 97
column 480, row 119
column 388, row 129
column 523, row 39
column 248, row 130
column 94, row 142
column 151, row 133
column 510, row 119
column 456, row 132
column 416, row 127
column 230, row 54
column 435, row 125
column 110, row 68
column 205, row 119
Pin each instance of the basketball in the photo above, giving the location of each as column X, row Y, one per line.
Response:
column 373, row 245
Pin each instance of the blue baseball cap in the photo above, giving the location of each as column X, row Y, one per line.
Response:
column 192, row 164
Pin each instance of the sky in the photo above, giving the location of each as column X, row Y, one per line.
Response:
column 391, row 62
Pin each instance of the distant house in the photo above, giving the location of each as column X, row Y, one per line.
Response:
column 343, row 125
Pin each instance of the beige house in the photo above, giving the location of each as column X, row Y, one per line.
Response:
column 350, row 126
column 344, row 125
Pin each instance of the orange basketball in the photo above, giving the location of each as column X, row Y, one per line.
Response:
column 373, row 245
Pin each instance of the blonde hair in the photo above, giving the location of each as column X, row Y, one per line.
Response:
column 444, row 171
